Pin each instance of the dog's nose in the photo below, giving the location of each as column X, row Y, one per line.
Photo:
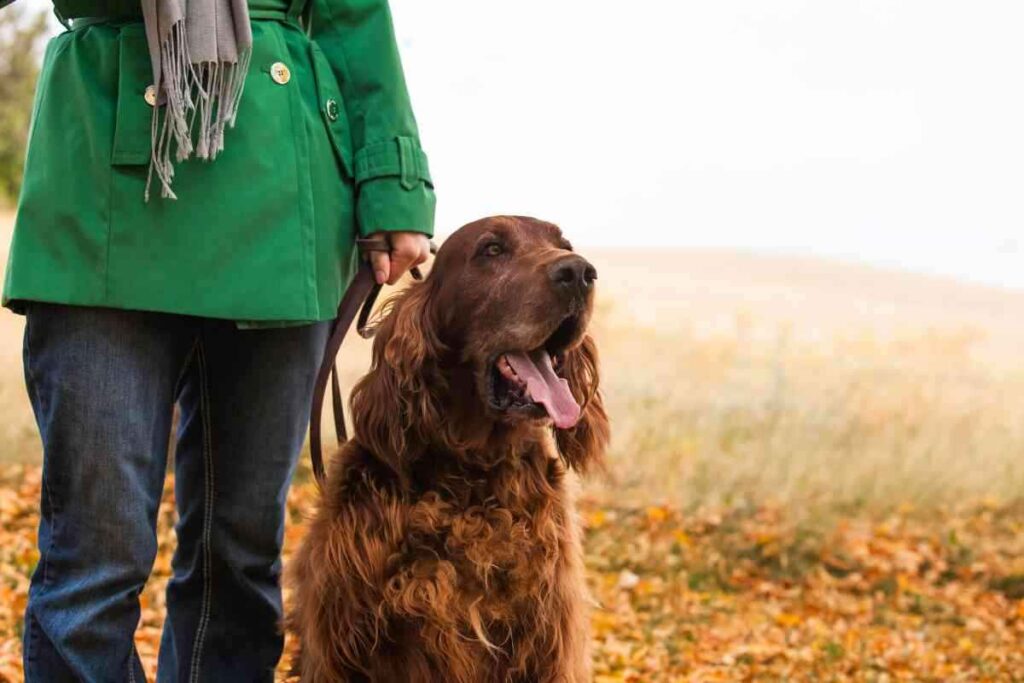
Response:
column 572, row 272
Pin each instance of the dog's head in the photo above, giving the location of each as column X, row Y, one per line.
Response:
column 492, row 344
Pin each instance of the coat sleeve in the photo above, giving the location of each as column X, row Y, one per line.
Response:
column 394, row 188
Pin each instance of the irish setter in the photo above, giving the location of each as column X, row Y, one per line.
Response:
column 445, row 547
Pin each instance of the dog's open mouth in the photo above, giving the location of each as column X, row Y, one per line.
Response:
column 528, row 381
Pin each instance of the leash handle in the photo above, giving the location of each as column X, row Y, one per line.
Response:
column 359, row 298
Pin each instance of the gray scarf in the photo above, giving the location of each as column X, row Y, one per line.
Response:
column 200, row 50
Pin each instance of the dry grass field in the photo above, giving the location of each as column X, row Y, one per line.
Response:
column 733, row 376
column 816, row 474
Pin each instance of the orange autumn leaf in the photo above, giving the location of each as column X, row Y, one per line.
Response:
column 788, row 620
column 724, row 594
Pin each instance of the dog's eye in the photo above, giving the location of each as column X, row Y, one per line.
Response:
column 493, row 249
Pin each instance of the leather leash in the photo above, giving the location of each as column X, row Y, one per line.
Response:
column 358, row 299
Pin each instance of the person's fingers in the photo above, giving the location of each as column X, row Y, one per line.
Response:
column 381, row 262
column 404, row 251
column 408, row 249
column 424, row 254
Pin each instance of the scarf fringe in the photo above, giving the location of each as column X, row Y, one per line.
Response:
column 208, row 92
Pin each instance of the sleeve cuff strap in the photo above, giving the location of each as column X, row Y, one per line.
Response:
column 401, row 157
column 383, row 205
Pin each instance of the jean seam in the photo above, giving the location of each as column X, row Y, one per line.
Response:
column 204, row 410
column 32, row 624
column 184, row 367
column 33, row 386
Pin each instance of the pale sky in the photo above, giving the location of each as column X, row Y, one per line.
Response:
column 883, row 131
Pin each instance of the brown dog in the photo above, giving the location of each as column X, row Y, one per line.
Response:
column 445, row 547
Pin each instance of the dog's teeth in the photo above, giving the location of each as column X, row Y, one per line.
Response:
column 505, row 368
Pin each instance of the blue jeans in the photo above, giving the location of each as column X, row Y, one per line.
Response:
column 103, row 384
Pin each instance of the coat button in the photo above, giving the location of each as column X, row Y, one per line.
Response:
column 332, row 109
column 150, row 95
column 280, row 73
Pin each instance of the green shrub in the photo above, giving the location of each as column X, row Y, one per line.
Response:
column 20, row 39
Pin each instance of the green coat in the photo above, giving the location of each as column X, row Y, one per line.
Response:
column 262, row 235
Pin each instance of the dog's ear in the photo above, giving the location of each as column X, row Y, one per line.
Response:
column 396, row 406
column 584, row 445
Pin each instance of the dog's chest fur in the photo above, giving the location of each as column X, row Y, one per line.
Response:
column 472, row 571
column 496, row 538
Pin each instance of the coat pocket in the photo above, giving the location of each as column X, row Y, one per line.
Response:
column 332, row 109
column 134, row 118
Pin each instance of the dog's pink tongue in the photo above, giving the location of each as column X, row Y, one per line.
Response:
column 545, row 387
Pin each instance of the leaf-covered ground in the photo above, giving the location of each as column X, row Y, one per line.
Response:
column 731, row 594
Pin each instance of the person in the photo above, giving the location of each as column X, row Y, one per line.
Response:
column 218, row 300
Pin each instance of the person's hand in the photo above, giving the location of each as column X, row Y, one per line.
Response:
column 408, row 249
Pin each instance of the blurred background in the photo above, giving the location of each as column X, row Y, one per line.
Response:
column 808, row 225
